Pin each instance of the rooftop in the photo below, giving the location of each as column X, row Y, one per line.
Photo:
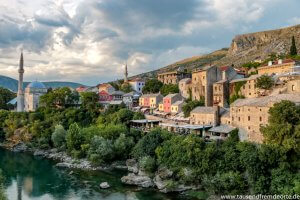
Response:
column 151, row 95
column 177, row 103
column 171, row 95
column 36, row 85
column 222, row 129
column 253, row 77
column 265, row 101
column 207, row 110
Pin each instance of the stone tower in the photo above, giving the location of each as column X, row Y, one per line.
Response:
column 20, row 96
column 126, row 74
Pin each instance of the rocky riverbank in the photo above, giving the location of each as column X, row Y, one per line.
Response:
column 161, row 179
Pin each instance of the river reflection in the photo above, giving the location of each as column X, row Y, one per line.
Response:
column 28, row 177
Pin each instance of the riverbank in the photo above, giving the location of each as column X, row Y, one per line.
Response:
column 161, row 180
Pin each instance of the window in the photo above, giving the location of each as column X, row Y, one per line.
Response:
column 239, row 119
column 293, row 88
column 248, row 118
column 260, row 119
column 249, row 128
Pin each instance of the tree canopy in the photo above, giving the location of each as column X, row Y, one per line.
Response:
column 169, row 89
column 265, row 82
column 293, row 49
column 152, row 86
column 5, row 96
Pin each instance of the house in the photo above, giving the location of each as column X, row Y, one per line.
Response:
column 202, row 115
column 81, row 89
column 177, row 107
column 161, row 107
column 185, row 87
column 106, row 97
column 137, row 84
column 131, row 99
column 172, row 77
column 245, row 86
column 220, row 132
column 202, row 83
column 278, row 67
column 150, row 100
column 169, row 100
column 106, row 87
column 117, row 95
column 250, row 114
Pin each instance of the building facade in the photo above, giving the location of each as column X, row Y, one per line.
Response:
column 150, row 100
column 277, row 67
column 172, row 77
column 206, row 115
column 202, row 83
column 177, row 107
column 185, row 87
column 245, row 87
column 33, row 92
column 106, row 87
column 137, row 84
column 249, row 115
column 131, row 99
column 169, row 100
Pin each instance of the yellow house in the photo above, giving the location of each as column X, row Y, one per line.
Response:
column 177, row 107
column 154, row 100
column 161, row 107
column 141, row 101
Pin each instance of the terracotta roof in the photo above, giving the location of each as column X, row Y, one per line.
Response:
column 265, row 101
column 104, row 85
column 224, row 68
column 136, row 80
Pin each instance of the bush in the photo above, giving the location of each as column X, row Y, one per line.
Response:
column 59, row 137
column 101, row 150
column 123, row 146
column 265, row 82
column 74, row 138
column 147, row 164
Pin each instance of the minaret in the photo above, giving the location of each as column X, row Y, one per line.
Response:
column 126, row 74
column 20, row 97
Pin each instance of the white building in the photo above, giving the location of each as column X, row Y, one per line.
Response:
column 137, row 84
column 33, row 92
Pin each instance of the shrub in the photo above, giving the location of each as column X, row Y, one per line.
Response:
column 101, row 150
column 74, row 137
column 265, row 82
column 123, row 146
column 59, row 137
column 147, row 164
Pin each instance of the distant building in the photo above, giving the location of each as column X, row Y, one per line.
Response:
column 172, row 77
column 202, row 83
column 185, row 87
column 150, row 100
column 81, row 89
column 278, row 67
column 20, row 94
column 137, row 84
column 245, row 86
column 250, row 114
column 206, row 115
column 177, row 107
column 169, row 100
column 106, row 87
column 131, row 99
column 33, row 92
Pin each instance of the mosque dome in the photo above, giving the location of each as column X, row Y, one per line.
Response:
column 36, row 85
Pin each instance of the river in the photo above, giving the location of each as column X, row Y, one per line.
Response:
column 28, row 177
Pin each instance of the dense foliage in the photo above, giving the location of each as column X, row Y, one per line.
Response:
column 237, row 92
column 293, row 50
column 152, row 86
column 250, row 65
column 190, row 105
column 218, row 167
column 265, row 82
column 5, row 96
column 169, row 89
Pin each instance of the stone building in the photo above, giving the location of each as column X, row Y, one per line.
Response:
column 245, row 87
column 172, row 77
column 277, row 67
column 250, row 114
column 169, row 100
column 185, row 87
column 33, row 92
column 202, row 83
column 293, row 86
column 206, row 115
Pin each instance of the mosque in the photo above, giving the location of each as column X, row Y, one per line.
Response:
column 28, row 101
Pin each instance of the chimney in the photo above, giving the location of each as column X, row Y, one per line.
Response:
column 217, row 115
column 280, row 61
column 270, row 63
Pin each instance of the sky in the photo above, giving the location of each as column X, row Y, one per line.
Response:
column 89, row 41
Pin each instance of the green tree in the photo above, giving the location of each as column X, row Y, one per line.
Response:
column 283, row 128
column 5, row 96
column 250, row 65
column 101, row 150
column 190, row 105
column 59, row 137
column 74, row 137
column 169, row 89
column 265, row 82
column 123, row 146
column 293, row 49
column 126, row 87
column 152, row 86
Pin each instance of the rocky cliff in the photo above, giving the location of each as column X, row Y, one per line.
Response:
column 259, row 45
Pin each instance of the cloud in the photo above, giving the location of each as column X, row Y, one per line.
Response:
column 89, row 41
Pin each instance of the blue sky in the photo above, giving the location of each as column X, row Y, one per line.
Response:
column 89, row 41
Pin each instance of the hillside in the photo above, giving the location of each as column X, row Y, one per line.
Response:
column 244, row 48
column 12, row 84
